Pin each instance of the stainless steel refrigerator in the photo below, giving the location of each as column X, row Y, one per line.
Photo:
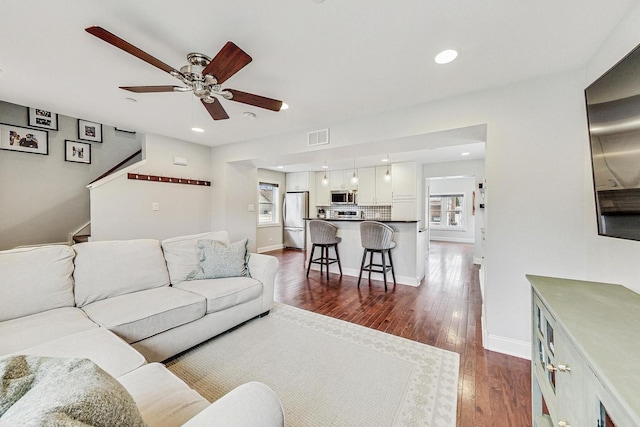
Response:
column 295, row 209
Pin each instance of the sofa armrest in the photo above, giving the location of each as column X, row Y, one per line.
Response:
column 251, row 404
column 264, row 268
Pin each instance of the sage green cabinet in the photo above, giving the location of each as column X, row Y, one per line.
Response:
column 585, row 348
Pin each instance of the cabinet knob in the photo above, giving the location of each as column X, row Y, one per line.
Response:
column 559, row 368
column 563, row 424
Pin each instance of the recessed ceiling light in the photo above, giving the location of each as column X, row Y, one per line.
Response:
column 446, row 56
column 325, row 166
column 280, row 167
column 249, row 115
column 384, row 160
column 131, row 99
column 196, row 129
column 465, row 154
column 284, row 106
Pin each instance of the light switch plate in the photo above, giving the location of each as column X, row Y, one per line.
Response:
column 155, row 206
column 252, row 207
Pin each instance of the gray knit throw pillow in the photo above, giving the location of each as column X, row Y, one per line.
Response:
column 218, row 260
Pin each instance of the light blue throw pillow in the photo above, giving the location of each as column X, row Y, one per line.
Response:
column 219, row 260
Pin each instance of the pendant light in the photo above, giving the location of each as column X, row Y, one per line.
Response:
column 387, row 176
column 325, row 180
column 354, row 178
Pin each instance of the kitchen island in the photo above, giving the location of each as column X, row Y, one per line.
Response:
column 408, row 256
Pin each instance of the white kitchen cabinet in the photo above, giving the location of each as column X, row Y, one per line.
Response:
column 404, row 180
column 341, row 180
column 373, row 190
column 404, row 210
column 584, row 353
column 323, row 192
column 297, row 181
column 383, row 186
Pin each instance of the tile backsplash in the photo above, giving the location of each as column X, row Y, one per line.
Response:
column 370, row 212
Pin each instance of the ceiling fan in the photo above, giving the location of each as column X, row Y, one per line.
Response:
column 202, row 75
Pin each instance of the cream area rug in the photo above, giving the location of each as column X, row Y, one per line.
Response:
column 328, row 372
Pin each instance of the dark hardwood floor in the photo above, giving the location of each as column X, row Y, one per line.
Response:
column 444, row 311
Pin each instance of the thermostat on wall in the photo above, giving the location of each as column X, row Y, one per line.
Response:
column 181, row 161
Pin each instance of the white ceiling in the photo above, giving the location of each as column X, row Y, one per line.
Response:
column 329, row 61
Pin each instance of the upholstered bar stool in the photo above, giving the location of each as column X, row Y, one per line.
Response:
column 376, row 237
column 323, row 235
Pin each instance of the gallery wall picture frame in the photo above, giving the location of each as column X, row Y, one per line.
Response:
column 26, row 140
column 77, row 152
column 89, row 131
column 39, row 118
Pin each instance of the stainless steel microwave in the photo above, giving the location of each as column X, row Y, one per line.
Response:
column 343, row 197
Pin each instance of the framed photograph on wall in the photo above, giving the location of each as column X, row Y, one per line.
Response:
column 16, row 138
column 44, row 119
column 89, row 131
column 77, row 152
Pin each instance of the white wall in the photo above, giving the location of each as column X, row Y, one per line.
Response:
column 535, row 163
column 269, row 237
column 463, row 186
column 122, row 208
column 473, row 168
column 540, row 212
column 44, row 198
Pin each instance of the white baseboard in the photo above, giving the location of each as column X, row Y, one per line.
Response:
column 517, row 348
column 452, row 239
column 401, row 280
column 270, row 248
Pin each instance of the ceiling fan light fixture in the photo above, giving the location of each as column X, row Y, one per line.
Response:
column 284, row 106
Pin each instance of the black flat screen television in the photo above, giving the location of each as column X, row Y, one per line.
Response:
column 613, row 115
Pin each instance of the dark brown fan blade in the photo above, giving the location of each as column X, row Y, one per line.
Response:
column 227, row 62
column 255, row 100
column 215, row 109
column 150, row 89
column 116, row 41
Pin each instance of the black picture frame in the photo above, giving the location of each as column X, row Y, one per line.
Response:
column 25, row 140
column 89, row 131
column 77, row 152
column 43, row 119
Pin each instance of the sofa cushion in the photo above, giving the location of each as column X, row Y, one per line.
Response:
column 101, row 346
column 35, row 329
column 182, row 254
column 162, row 398
column 35, row 279
column 49, row 391
column 111, row 268
column 220, row 260
column 224, row 293
column 139, row 315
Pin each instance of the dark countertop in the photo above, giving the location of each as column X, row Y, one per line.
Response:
column 358, row 220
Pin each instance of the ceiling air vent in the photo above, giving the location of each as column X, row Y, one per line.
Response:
column 318, row 137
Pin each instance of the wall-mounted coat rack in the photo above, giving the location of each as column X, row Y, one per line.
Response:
column 173, row 180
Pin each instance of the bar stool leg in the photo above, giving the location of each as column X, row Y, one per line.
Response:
column 313, row 248
column 384, row 269
column 364, row 257
column 370, row 264
column 393, row 271
column 338, row 258
column 326, row 259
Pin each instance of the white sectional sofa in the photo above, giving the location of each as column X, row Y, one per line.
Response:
column 127, row 305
